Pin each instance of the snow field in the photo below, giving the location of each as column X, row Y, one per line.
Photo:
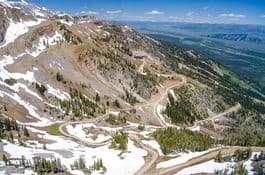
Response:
column 115, row 162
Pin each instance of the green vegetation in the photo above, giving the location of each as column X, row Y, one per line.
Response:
column 79, row 105
column 54, row 129
column 231, row 91
column 259, row 157
column 43, row 166
column 144, row 85
column 147, row 82
column 10, row 129
column 141, row 127
column 59, row 76
column 97, row 98
column 119, row 141
column 249, row 130
column 41, row 88
column 79, row 164
column 116, row 120
column 4, row 159
column 242, row 155
column 25, row 132
column 70, row 37
column 172, row 139
column 259, row 163
column 180, row 111
column 238, row 170
column 117, row 103
column 10, row 81
column 98, row 165
column 239, row 155
column 130, row 98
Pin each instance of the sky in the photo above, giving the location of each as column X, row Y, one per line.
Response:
column 199, row 11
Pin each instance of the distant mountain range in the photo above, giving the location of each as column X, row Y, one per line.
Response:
column 236, row 37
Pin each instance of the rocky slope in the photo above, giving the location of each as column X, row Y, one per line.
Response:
column 56, row 68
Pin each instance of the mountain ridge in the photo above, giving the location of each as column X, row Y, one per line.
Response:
column 79, row 86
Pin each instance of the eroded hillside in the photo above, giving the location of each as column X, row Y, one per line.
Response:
column 87, row 93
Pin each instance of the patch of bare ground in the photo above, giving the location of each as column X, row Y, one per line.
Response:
column 37, row 136
column 17, row 112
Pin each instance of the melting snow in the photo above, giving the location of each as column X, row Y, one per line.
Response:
column 155, row 145
column 248, row 163
column 44, row 42
column 182, row 158
column 63, row 21
column 123, row 162
column 78, row 131
column 31, row 109
column 17, row 29
column 207, row 167
column 57, row 93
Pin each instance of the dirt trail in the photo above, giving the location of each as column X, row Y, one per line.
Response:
column 152, row 102
column 79, row 140
column 217, row 116
column 164, row 95
column 200, row 159
column 152, row 154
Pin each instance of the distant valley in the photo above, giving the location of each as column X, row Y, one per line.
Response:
column 238, row 47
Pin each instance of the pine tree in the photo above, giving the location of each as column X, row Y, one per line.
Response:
column 4, row 158
column 218, row 157
column 23, row 160
column 97, row 98
column 11, row 137
column 26, row 132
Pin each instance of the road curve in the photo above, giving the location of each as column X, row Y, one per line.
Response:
column 203, row 158
column 79, row 140
column 153, row 153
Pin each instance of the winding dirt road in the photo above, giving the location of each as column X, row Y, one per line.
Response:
column 152, row 153
column 79, row 140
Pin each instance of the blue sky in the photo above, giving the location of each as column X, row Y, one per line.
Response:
column 211, row 11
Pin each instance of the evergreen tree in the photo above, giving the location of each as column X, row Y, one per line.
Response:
column 218, row 157
column 97, row 98
column 11, row 137
column 26, row 132
column 23, row 161
column 4, row 158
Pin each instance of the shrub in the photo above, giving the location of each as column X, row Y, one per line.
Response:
column 10, row 81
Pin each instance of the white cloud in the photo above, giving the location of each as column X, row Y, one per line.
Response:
column 232, row 15
column 114, row 11
column 205, row 8
column 154, row 12
column 89, row 12
column 189, row 14
column 263, row 16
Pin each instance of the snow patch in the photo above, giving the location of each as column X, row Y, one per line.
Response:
column 16, row 29
column 182, row 158
column 123, row 162
column 57, row 93
column 154, row 145
column 208, row 167
column 248, row 163
column 63, row 21
column 44, row 42
column 78, row 131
